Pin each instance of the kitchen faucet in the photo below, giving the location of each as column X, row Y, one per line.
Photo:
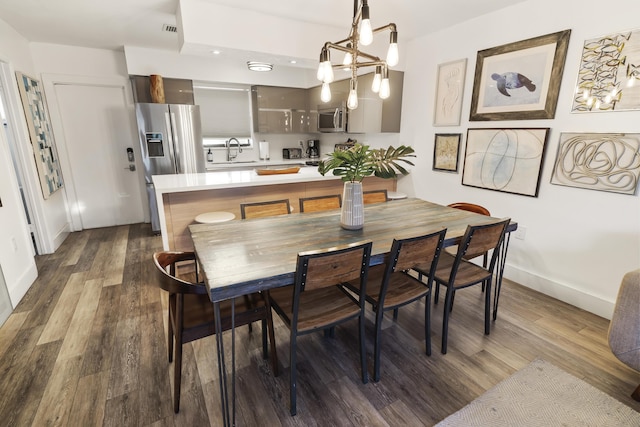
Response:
column 231, row 157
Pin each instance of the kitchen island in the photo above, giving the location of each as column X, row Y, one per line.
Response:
column 182, row 197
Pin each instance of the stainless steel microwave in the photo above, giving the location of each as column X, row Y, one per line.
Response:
column 332, row 119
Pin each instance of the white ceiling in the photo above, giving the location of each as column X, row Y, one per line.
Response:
column 112, row 24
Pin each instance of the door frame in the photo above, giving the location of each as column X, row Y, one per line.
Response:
column 24, row 151
column 50, row 81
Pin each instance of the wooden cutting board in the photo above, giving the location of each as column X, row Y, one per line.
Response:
column 277, row 171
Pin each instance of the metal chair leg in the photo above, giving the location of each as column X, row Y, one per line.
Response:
column 292, row 376
column 487, row 307
column 445, row 319
column 363, row 351
column 377, row 345
column 427, row 322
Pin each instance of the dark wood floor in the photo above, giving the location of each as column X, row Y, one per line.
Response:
column 86, row 346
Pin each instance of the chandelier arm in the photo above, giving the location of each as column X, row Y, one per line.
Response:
column 338, row 46
column 390, row 27
column 370, row 64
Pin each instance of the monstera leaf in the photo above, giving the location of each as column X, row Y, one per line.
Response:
column 359, row 161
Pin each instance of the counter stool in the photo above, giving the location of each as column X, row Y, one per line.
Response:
column 213, row 217
column 396, row 195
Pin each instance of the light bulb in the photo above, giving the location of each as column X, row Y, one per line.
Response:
column 323, row 57
column 377, row 79
column 328, row 72
column 348, row 58
column 325, row 92
column 320, row 73
column 392, row 55
column 385, row 91
column 366, row 33
column 352, row 101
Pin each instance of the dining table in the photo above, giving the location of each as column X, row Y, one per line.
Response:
column 245, row 256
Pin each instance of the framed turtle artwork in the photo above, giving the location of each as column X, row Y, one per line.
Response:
column 521, row 80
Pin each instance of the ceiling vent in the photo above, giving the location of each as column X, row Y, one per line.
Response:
column 169, row 28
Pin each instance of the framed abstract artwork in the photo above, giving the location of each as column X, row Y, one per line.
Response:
column 445, row 152
column 41, row 134
column 609, row 74
column 519, row 80
column 507, row 160
column 449, row 91
column 598, row 161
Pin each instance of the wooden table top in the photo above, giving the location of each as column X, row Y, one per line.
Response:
column 243, row 256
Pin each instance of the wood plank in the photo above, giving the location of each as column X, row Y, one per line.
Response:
column 75, row 341
column 58, row 395
column 90, row 399
column 10, row 329
column 56, row 327
column 399, row 414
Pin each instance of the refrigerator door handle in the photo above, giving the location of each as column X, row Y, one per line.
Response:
column 170, row 119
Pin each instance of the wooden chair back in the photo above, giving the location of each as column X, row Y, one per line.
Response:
column 420, row 253
column 166, row 273
column 329, row 267
column 321, row 203
column 374, row 196
column 265, row 209
column 470, row 207
column 479, row 239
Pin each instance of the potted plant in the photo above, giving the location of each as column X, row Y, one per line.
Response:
column 356, row 163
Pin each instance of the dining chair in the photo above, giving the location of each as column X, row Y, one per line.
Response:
column 393, row 285
column 457, row 272
column 316, row 302
column 320, row 203
column 264, row 209
column 191, row 315
column 374, row 196
column 469, row 207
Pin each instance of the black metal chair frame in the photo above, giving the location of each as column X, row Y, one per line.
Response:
column 486, row 278
column 301, row 278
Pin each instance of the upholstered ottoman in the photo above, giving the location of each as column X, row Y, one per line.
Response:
column 624, row 330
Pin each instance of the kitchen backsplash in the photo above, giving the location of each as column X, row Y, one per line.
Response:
column 278, row 142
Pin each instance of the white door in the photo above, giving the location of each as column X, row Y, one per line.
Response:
column 94, row 129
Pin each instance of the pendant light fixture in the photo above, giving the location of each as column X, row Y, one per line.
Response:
column 361, row 34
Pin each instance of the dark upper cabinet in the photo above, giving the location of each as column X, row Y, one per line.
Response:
column 280, row 109
column 293, row 110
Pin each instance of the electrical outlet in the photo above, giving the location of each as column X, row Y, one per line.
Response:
column 520, row 233
column 15, row 244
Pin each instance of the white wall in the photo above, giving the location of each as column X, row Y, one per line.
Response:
column 578, row 243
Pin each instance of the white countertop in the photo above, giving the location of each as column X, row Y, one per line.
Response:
column 232, row 179
column 217, row 166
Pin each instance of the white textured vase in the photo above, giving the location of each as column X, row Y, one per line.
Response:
column 352, row 215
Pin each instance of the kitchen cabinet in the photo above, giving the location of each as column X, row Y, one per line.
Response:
column 280, row 109
column 293, row 110
column 373, row 115
column 392, row 106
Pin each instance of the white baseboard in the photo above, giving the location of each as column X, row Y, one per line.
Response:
column 561, row 291
column 60, row 236
column 18, row 289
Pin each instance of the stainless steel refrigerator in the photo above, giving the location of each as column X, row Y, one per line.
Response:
column 171, row 142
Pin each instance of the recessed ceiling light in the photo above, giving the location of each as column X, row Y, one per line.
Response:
column 293, row 61
column 259, row 66
column 215, row 52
